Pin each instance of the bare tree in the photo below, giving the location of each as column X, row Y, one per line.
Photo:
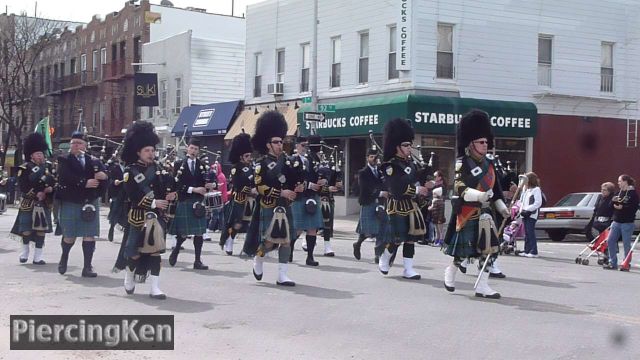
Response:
column 23, row 42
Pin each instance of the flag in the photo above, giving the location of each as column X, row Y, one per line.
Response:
column 43, row 129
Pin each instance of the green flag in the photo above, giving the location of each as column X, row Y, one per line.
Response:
column 43, row 129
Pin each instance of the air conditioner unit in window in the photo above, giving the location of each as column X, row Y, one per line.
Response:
column 275, row 89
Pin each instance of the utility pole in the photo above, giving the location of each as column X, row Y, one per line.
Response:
column 314, row 59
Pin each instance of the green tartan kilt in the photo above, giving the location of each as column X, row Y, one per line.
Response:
column 117, row 212
column 233, row 215
column 24, row 222
column 69, row 218
column 185, row 223
column 464, row 243
column 266, row 215
column 398, row 229
column 368, row 223
column 302, row 220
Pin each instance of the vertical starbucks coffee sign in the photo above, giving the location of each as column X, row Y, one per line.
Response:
column 403, row 33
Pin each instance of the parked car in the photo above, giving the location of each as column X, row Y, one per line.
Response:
column 572, row 215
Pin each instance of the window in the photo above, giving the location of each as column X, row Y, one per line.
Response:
column 103, row 114
column 149, row 112
column 96, row 63
column 336, row 50
column 83, row 62
column 257, row 80
column 304, row 72
column 103, row 60
column 163, row 97
column 606, row 68
column 444, row 67
column 545, row 51
column 280, row 65
column 72, row 66
column 178, row 96
column 363, row 62
column 392, row 72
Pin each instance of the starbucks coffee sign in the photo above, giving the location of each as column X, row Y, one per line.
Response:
column 403, row 35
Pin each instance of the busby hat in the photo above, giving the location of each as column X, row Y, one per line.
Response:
column 301, row 139
column 240, row 145
column 396, row 132
column 269, row 125
column 139, row 135
column 33, row 143
column 314, row 142
column 473, row 125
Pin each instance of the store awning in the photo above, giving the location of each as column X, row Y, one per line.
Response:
column 429, row 114
column 248, row 117
column 206, row 120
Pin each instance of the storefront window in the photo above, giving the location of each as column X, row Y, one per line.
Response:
column 338, row 158
column 514, row 151
column 444, row 155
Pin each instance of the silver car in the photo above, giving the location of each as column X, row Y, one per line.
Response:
column 571, row 215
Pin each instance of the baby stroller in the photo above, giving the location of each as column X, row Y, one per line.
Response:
column 599, row 247
column 512, row 232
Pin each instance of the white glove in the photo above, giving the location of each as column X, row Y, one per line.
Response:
column 502, row 208
column 473, row 195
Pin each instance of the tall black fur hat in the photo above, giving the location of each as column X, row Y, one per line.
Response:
column 269, row 125
column 139, row 135
column 240, row 145
column 33, row 143
column 314, row 142
column 396, row 132
column 474, row 125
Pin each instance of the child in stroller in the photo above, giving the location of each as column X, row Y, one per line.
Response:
column 513, row 231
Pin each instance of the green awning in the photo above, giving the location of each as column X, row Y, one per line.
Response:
column 429, row 114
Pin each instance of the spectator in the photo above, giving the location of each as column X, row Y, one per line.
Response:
column 625, row 205
column 531, row 200
column 603, row 211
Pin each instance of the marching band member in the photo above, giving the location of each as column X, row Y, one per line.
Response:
column 147, row 193
column 36, row 184
column 190, row 218
column 328, row 171
column 472, row 232
column 244, row 192
column 406, row 224
column 81, row 180
column 117, row 212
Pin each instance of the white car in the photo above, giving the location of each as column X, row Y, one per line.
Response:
column 571, row 215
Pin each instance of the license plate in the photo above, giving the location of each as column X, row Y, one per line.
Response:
column 550, row 216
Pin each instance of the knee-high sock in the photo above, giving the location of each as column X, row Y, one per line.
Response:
column 131, row 264
column 87, row 249
column 326, row 236
column 311, row 244
column 179, row 241
column 66, row 247
column 361, row 238
column 283, row 254
column 408, row 250
column 39, row 240
column 154, row 265
column 197, row 244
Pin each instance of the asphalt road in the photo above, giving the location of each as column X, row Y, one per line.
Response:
column 344, row 309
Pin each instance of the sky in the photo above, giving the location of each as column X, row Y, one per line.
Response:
column 83, row 10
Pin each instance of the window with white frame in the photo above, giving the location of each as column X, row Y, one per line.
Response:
column 103, row 60
column 163, row 97
column 336, row 54
column 257, row 79
column 444, row 66
column 280, row 65
column 392, row 72
column 606, row 68
column 95, row 63
column 304, row 72
column 178, row 104
column 83, row 62
column 545, row 56
column 363, row 61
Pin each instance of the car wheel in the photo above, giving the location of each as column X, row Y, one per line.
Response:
column 557, row 235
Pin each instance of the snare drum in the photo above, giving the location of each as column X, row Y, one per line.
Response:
column 213, row 201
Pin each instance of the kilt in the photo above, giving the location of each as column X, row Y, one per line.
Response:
column 265, row 220
column 464, row 242
column 72, row 225
column 368, row 223
column 302, row 220
column 117, row 212
column 398, row 229
column 24, row 222
column 134, row 234
column 234, row 213
column 185, row 223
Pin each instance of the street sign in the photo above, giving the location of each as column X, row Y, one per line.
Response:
column 313, row 116
column 307, row 100
column 327, row 107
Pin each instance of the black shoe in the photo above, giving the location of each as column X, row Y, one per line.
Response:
column 130, row 292
column 23, row 260
column 89, row 273
column 493, row 296
column 173, row 257
column 286, row 283
column 258, row 277
column 206, row 239
column 312, row 262
column 623, row 268
column 356, row 250
column 497, row 275
column 198, row 265
column 463, row 269
column 41, row 262
column 610, row 267
column 449, row 288
column 158, row 297
column 62, row 265
column 110, row 236
column 330, row 254
column 423, row 242
column 229, row 253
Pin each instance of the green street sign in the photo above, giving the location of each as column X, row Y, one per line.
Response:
column 306, row 100
column 330, row 108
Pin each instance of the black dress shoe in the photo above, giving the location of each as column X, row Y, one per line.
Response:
column 356, row 251
column 229, row 253
column 130, row 292
column 198, row 265
column 158, row 297
column 450, row 288
column 286, row 283
column 463, row 269
column 258, row 277
column 610, row 267
column 492, row 296
column 497, row 275
column 41, row 262
column 423, row 242
column 23, row 260
column 62, row 265
column 330, row 254
column 312, row 262
column 89, row 273
column 173, row 257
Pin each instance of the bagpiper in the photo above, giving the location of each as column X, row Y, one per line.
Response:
column 406, row 224
column 116, row 196
column 330, row 176
column 36, row 183
column 472, row 232
column 244, row 192
column 190, row 218
column 147, row 216
column 81, row 181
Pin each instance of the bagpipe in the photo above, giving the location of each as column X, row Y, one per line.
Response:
column 381, row 207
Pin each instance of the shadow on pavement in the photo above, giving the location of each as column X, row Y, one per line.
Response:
column 5, row 251
column 534, row 305
column 331, row 268
column 214, row 272
column 311, row 291
column 100, row 281
column 170, row 304
column 543, row 283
